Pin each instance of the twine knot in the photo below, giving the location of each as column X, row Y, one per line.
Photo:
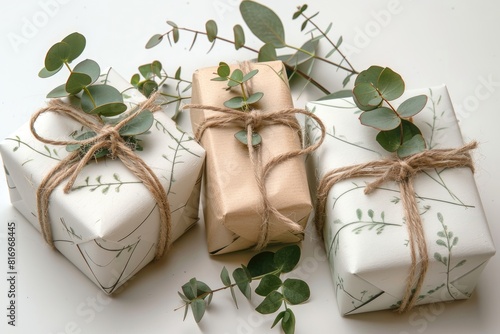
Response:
column 254, row 119
column 107, row 137
column 401, row 171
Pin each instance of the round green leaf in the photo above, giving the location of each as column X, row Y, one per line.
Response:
column 271, row 303
column 154, row 41
column 264, row 23
column 369, row 75
column 139, row 124
column 250, row 75
column 147, row 87
column 156, row 68
column 390, row 84
column 366, row 95
column 44, row 73
column 90, row 68
column 239, row 37
column 255, row 97
column 414, row 145
column 409, row 130
column 59, row 91
column 287, row 258
column 381, row 118
column 236, row 102
column 412, row 106
column 236, row 78
column 267, row 53
column 242, row 137
column 296, row 291
column 134, row 81
column 102, row 100
column 57, row 55
column 223, row 70
column 261, row 264
column 268, row 284
column 77, row 81
column 211, row 29
column 198, row 307
column 390, row 140
column 76, row 44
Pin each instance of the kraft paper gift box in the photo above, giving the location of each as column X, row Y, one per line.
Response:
column 231, row 200
column 366, row 237
column 108, row 225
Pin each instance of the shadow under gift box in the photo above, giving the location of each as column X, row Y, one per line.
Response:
column 108, row 225
column 231, row 198
column 366, row 237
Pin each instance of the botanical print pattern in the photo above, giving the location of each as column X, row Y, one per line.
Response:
column 381, row 222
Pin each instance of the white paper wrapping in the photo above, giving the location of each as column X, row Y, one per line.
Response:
column 108, row 225
column 366, row 238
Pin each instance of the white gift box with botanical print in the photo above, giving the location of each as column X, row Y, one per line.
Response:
column 366, row 237
column 108, row 224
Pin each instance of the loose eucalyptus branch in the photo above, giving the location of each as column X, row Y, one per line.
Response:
column 373, row 90
column 265, row 267
column 99, row 99
column 267, row 26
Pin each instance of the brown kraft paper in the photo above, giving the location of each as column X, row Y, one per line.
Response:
column 232, row 202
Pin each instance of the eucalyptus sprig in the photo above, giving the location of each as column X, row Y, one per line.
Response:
column 266, row 25
column 95, row 98
column 266, row 267
column 243, row 102
column 373, row 91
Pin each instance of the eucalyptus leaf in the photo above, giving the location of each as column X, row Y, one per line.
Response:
column 211, row 29
column 138, row 125
column 156, row 68
column 346, row 93
column 223, row 70
column 57, row 55
column 77, row 81
column 278, row 318
column 412, row 106
column 296, row 291
column 76, row 43
column 224, row 276
column 389, row 140
column 148, row 87
column 250, row 75
column 305, row 53
column 369, row 75
column 390, row 84
column 268, row 284
column 254, row 98
column 90, row 68
column 242, row 137
column 366, row 95
column 134, row 81
column 263, row 22
column 239, row 37
column 286, row 258
column 44, row 73
column 261, row 263
column 146, row 71
column 267, row 53
column 414, row 145
column 381, row 118
column 103, row 100
column 243, row 282
column 59, row 91
column 236, row 102
column 198, row 307
column 83, row 136
column 288, row 322
column 154, row 41
column 271, row 303
column 236, row 78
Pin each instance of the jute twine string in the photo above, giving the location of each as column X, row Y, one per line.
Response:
column 401, row 171
column 107, row 137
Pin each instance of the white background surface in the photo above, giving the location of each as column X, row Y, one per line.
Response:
column 427, row 42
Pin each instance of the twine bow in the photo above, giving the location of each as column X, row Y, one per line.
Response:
column 107, row 137
column 401, row 171
column 252, row 121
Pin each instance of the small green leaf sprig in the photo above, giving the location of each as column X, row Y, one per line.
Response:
column 265, row 267
column 101, row 100
column 373, row 91
column 234, row 79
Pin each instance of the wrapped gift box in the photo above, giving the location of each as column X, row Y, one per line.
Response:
column 231, row 200
column 365, row 236
column 108, row 224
